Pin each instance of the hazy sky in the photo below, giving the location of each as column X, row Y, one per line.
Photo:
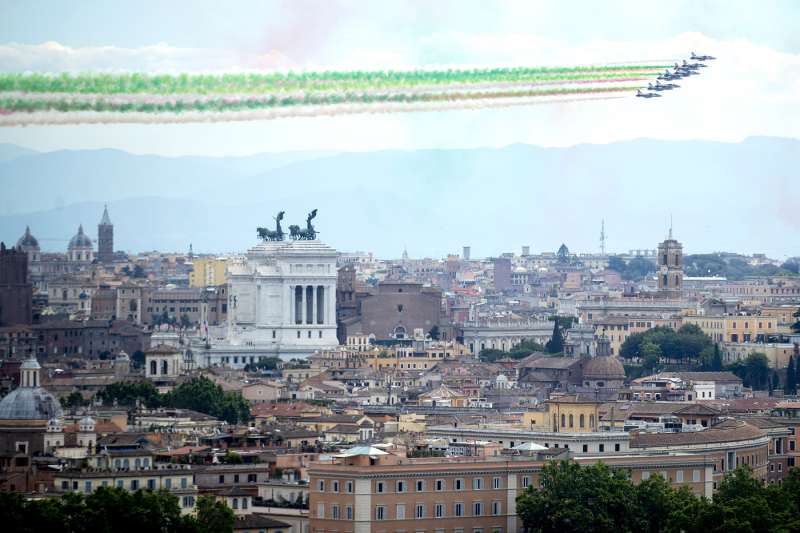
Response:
column 752, row 89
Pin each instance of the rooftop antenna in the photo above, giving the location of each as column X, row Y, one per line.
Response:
column 603, row 237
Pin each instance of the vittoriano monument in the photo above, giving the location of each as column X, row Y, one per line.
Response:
column 295, row 232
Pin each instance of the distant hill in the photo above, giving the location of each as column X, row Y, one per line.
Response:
column 12, row 151
column 723, row 196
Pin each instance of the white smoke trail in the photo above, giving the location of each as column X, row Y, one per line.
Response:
column 59, row 118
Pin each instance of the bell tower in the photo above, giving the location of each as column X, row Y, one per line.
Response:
column 670, row 267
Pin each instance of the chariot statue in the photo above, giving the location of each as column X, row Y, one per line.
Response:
column 307, row 234
column 269, row 235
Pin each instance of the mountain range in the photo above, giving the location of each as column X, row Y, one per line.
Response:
column 722, row 196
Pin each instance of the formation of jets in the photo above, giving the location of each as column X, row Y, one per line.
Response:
column 679, row 71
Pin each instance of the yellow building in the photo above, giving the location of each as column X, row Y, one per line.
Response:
column 567, row 413
column 207, row 272
column 739, row 328
column 408, row 358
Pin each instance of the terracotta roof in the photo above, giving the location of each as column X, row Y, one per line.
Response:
column 258, row 522
column 697, row 409
column 728, row 431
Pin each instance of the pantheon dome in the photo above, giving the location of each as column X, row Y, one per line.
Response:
column 29, row 401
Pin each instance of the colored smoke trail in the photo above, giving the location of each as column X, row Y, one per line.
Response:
column 101, row 98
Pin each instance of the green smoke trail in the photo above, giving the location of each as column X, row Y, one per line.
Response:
column 109, row 84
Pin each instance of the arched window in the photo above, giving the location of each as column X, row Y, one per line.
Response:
column 563, row 421
column 571, row 421
column 555, row 422
column 399, row 332
column 153, row 368
column 591, row 421
column 164, row 367
column 582, row 421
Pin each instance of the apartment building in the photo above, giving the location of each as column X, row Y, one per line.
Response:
column 369, row 490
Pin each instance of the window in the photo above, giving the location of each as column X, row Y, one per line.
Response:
column 477, row 483
column 616, row 447
column 335, row 512
column 335, row 486
column 440, row 485
column 379, row 487
column 244, row 503
column 497, row 483
column 601, row 448
column 401, row 486
column 87, row 486
column 458, row 509
column 420, row 485
column 645, row 475
column 419, row 512
column 348, row 512
column 400, row 511
column 458, row 484
column 120, row 484
column 348, row 487
column 438, row 510
column 571, row 421
column 252, row 478
column 581, row 420
column 563, row 421
column 183, row 483
column 168, row 483
column 321, row 485
column 526, row 481
column 380, row 512
column 235, row 502
column 477, row 509
column 236, row 478
column 496, row 509
column 585, row 448
column 222, row 478
column 679, row 476
column 134, row 484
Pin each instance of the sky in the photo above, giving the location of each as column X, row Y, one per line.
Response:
column 753, row 88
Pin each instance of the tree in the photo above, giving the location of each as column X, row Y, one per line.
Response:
column 213, row 516
column 790, row 385
column 756, row 371
column 617, row 264
column 232, row 458
column 651, row 355
column 716, row 362
column 775, row 383
column 579, row 498
column 74, row 399
column 129, row 392
column 203, row 395
column 137, row 359
column 490, row 355
column 556, row 343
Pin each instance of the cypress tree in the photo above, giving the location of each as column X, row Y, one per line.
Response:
column 556, row 344
column 790, row 387
column 716, row 362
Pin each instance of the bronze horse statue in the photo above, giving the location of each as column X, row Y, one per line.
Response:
column 308, row 234
column 269, row 235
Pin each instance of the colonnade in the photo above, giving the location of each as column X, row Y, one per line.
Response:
column 310, row 304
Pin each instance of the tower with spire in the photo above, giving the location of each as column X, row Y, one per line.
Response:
column 105, row 238
column 670, row 266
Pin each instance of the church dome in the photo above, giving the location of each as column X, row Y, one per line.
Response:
column 30, row 403
column 27, row 241
column 80, row 240
column 605, row 368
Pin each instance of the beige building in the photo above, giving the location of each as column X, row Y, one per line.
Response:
column 179, row 481
column 207, row 272
column 739, row 328
column 366, row 489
